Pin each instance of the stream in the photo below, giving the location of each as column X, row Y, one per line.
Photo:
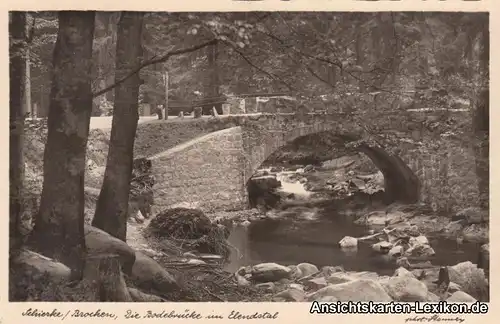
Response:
column 311, row 234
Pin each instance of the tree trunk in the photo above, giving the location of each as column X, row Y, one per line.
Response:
column 16, row 162
column 112, row 205
column 59, row 227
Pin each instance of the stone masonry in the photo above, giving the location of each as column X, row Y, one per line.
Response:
column 206, row 172
column 210, row 172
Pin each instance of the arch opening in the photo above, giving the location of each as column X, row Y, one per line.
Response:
column 326, row 153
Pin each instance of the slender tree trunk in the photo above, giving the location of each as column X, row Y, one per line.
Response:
column 17, row 31
column 112, row 205
column 59, row 227
column 27, row 83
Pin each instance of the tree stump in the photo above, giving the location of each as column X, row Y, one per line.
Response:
column 103, row 280
column 197, row 112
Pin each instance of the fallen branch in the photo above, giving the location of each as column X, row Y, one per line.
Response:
column 372, row 236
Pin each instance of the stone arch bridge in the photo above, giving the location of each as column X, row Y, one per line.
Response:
column 211, row 171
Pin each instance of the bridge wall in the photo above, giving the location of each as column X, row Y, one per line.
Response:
column 447, row 176
column 207, row 173
column 224, row 161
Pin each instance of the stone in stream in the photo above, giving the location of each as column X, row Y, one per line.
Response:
column 348, row 242
column 419, row 240
column 476, row 232
column 395, row 251
column 266, row 272
column 382, row 247
column 357, row 290
column 420, row 251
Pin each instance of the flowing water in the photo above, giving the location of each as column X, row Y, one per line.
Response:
column 311, row 234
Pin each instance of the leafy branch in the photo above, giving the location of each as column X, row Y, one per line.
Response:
column 152, row 61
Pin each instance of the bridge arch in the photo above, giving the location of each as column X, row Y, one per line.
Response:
column 400, row 182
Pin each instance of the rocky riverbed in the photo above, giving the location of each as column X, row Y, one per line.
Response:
column 315, row 233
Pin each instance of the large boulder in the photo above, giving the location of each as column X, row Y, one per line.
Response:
column 148, row 274
column 406, row 288
column 307, row 269
column 37, row 265
column 100, row 242
column 266, row 272
column 357, row 290
column 472, row 279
